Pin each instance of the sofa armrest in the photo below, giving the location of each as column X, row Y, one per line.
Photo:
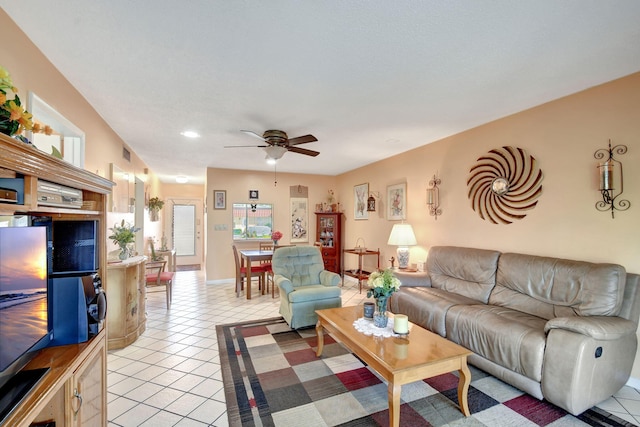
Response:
column 413, row 279
column 329, row 278
column 606, row 328
column 283, row 283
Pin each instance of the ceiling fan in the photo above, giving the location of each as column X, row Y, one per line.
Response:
column 279, row 143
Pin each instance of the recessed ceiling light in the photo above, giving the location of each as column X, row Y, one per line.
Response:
column 181, row 179
column 190, row 134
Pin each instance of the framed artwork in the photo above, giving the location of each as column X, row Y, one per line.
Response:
column 219, row 199
column 299, row 220
column 253, row 194
column 397, row 201
column 360, row 196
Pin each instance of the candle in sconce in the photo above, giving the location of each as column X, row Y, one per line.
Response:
column 400, row 324
column 430, row 192
column 606, row 176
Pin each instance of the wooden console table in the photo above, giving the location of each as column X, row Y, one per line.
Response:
column 359, row 273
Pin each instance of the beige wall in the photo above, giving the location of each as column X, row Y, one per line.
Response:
column 563, row 136
column 237, row 183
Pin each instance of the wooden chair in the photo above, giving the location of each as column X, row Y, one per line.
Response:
column 156, row 276
column 266, row 265
column 257, row 271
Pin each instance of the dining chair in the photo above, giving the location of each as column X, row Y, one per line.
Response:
column 257, row 271
column 156, row 276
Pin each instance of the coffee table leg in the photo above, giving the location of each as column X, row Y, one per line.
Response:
column 320, row 333
column 463, row 388
column 394, row 404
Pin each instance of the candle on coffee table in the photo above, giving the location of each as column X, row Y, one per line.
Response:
column 400, row 324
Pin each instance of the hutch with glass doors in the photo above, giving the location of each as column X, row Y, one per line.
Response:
column 329, row 238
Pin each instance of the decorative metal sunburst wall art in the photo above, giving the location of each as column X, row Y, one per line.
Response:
column 503, row 184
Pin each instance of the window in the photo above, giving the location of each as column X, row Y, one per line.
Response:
column 252, row 221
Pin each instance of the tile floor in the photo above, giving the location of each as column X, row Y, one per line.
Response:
column 171, row 375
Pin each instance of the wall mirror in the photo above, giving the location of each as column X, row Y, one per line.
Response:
column 66, row 137
column 252, row 221
column 122, row 199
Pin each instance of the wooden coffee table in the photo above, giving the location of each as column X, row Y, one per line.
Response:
column 422, row 354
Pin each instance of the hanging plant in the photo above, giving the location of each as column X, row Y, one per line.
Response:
column 155, row 204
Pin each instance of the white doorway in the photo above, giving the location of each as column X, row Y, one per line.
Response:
column 185, row 228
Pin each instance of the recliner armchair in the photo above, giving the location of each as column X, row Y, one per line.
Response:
column 304, row 285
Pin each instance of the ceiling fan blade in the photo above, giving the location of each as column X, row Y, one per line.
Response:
column 303, row 151
column 302, row 139
column 237, row 146
column 252, row 133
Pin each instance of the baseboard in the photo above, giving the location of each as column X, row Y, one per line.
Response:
column 220, row 281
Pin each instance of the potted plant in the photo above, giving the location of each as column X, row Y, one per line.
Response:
column 155, row 204
column 123, row 235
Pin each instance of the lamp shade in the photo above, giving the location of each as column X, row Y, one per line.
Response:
column 275, row 152
column 402, row 235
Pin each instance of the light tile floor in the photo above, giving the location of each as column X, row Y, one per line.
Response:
column 171, row 375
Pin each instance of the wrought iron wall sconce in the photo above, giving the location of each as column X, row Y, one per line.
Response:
column 371, row 201
column 433, row 197
column 611, row 182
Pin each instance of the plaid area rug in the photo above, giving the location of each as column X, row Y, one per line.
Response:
column 272, row 377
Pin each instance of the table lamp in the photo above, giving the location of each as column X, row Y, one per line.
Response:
column 402, row 236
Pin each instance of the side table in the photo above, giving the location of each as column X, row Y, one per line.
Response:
column 359, row 273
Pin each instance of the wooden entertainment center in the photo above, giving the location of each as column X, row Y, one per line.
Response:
column 74, row 390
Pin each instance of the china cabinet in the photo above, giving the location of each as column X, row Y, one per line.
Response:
column 329, row 238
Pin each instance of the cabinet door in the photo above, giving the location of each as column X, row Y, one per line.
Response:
column 87, row 399
column 133, row 299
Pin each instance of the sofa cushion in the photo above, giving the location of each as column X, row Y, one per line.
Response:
column 465, row 271
column 504, row 336
column 427, row 307
column 552, row 287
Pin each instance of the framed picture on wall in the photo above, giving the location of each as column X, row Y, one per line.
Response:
column 253, row 195
column 219, row 199
column 299, row 220
column 397, row 201
column 360, row 195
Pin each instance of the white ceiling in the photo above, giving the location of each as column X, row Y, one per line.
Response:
column 369, row 79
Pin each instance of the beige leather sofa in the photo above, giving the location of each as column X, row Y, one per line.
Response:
column 560, row 330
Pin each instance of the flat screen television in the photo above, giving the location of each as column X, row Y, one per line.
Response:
column 24, row 289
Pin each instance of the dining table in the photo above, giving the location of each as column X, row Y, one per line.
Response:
column 247, row 256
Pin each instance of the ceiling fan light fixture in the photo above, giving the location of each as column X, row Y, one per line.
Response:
column 275, row 152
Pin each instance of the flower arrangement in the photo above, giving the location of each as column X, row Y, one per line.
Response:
column 13, row 117
column 382, row 284
column 155, row 204
column 123, row 234
column 276, row 235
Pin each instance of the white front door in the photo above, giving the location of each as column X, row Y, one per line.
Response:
column 186, row 225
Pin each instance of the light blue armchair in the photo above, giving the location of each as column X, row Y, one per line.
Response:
column 304, row 285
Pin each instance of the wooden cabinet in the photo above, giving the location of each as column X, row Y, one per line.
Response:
column 329, row 236
column 126, row 313
column 88, row 403
column 73, row 392
column 75, row 367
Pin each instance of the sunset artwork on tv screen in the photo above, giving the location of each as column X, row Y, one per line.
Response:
column 23, row 291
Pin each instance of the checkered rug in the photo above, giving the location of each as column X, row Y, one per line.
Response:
column 272, row 377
